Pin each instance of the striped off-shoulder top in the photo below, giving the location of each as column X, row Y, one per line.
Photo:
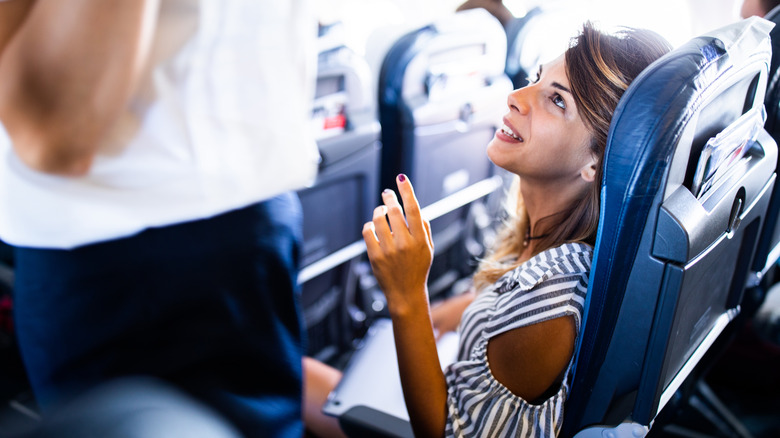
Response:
column 552, row 284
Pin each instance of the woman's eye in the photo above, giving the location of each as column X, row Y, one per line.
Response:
column 558, row 101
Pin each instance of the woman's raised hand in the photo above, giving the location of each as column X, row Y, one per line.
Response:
column 400, row 249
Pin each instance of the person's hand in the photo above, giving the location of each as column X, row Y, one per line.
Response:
column 400, row 249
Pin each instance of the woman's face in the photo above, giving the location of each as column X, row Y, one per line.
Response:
column 544, row 139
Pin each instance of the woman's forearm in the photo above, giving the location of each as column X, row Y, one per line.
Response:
column 425, row 390
column 67, row 73
column 401, row 251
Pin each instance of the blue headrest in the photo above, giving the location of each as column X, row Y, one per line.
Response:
column 518, row 71
column 650, row 123
column 539, row 36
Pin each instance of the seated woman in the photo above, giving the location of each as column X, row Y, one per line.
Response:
column 517, row 336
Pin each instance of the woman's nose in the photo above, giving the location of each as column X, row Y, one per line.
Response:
column 519, row 100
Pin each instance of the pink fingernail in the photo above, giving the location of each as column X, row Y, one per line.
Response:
column 401, row 177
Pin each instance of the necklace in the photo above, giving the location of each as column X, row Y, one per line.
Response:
column 529, row 237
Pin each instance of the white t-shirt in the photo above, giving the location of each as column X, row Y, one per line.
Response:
column 220, row 121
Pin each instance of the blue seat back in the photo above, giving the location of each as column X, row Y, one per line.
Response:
column 539, row 36
column 519, row 67
column 442, row 93
column 676, row 239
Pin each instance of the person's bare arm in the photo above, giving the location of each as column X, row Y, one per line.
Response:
column 66, row 72
column 529, row 360
column 401, row 251
column 12, row 15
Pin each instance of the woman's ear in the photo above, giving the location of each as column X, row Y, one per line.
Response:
column 588, row 172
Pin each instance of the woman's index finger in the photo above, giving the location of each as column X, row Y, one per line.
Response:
column 411, row 206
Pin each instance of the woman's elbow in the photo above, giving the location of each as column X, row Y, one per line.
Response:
column 54, row 157
column 51, row 138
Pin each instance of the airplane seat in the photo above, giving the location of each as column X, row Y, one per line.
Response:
column 442, row 93
column 342, row 197
column 688, row 175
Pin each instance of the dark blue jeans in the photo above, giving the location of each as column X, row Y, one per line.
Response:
column 209, row 305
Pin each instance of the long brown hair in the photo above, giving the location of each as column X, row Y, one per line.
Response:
column 599, row 67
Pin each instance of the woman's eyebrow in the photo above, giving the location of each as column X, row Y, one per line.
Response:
column 560, row 87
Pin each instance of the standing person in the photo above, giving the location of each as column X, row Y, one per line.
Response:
column 147, row 160
column 517, row 335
